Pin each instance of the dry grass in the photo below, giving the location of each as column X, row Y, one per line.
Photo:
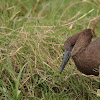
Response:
column 31, row 49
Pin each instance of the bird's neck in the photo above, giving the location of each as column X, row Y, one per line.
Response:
column 81, row 43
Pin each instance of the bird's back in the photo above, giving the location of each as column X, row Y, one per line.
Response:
column 94, row 49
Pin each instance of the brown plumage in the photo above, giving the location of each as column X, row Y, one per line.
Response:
column 84, row 51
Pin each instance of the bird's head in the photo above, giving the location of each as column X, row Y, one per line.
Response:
column 75, row 44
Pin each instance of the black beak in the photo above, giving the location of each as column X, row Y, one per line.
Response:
column 67, row 55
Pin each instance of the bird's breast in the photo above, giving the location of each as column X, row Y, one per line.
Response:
column 86, row 65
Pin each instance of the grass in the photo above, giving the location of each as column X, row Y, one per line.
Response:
column 32, row 34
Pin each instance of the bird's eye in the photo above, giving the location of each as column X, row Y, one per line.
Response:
column 72, row 44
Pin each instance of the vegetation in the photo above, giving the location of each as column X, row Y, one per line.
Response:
column 32, row 34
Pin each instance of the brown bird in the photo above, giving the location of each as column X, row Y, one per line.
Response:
column 84, row 51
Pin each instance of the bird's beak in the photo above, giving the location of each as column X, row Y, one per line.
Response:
column 67, row 55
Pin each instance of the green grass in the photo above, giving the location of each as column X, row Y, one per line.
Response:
column 32, row 34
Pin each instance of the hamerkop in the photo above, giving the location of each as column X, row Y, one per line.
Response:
column 84, row 51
